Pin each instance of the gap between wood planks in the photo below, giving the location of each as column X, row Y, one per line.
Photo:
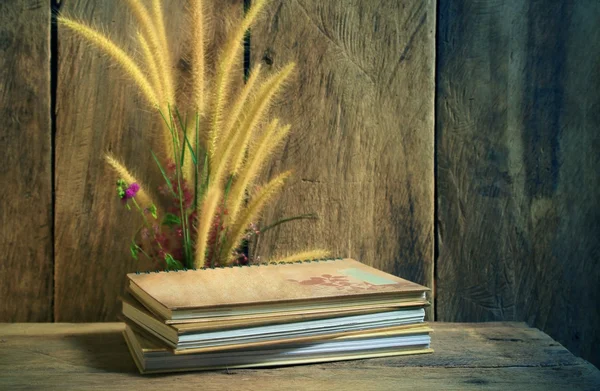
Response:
column 436, row 239
column 54, row 10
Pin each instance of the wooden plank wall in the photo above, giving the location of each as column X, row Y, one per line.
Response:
column 99, row 111
column 518, row 187
column 25, row 177
column 362, row 133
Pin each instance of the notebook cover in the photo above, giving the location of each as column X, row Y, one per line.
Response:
column 211, row 324
column 309, row 281
column 140, row 344
column 407, row 328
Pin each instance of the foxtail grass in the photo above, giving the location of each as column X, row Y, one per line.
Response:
column 164, row 52
column 198, row 78
column 237, row 108
column 143, row 197
column 198, row 56
column 225, row 68
column 263, row 149
column 211, row 159
column 117, row 54
column 302, row 256
column 151, row 35
column 207, row 211
column 255, row 114
column 255, row 207
column 152, row 65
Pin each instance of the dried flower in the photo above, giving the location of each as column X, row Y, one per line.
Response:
column 171, row 166
column 131, row 191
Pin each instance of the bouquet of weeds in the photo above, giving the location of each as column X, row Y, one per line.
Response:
column 212, row 158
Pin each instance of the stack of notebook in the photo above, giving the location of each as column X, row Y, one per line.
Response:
column 271, row 315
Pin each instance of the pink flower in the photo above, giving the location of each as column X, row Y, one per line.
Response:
column 131, row 191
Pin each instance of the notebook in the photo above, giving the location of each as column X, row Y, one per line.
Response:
column 151, row 356
column 307, row 287
column 137, row 313
column 271, row 334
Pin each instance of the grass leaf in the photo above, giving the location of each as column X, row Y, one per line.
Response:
column 307, row 216
column 171, row 219
column 191, row 149
column 134, row 250
column 172, row 263
column 183, row 125
column 164, row 174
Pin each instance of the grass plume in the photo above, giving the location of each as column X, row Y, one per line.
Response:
column 198, row 56
column 164, row 53
column 255, row 114
column 151, row 35
column 231, row 52
column 207, row 212
column 237, row 108
column 117, row 54
column 303, row 256
column 144, row 199
column 269, row 140
column 198, row 76
column 151, row 64
column 252, row 212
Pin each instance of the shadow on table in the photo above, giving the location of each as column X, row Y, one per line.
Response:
column 105, row 351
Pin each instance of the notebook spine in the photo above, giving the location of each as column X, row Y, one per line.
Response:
column 241, row 266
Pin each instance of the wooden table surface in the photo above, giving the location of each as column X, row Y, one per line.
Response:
column 488, row 356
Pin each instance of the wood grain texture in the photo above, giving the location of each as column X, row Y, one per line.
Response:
column 493, row 356
column 361, row 108
column 518, row 138
column 98, row 110
column 26, row 161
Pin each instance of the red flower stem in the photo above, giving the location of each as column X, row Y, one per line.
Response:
column 139, row 247
column 186, row 236
column 146, row 223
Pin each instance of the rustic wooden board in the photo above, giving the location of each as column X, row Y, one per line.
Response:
column 26, row 161
column 361, row 108
column 494, row 356
column 518, row 189
column 98, row 110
